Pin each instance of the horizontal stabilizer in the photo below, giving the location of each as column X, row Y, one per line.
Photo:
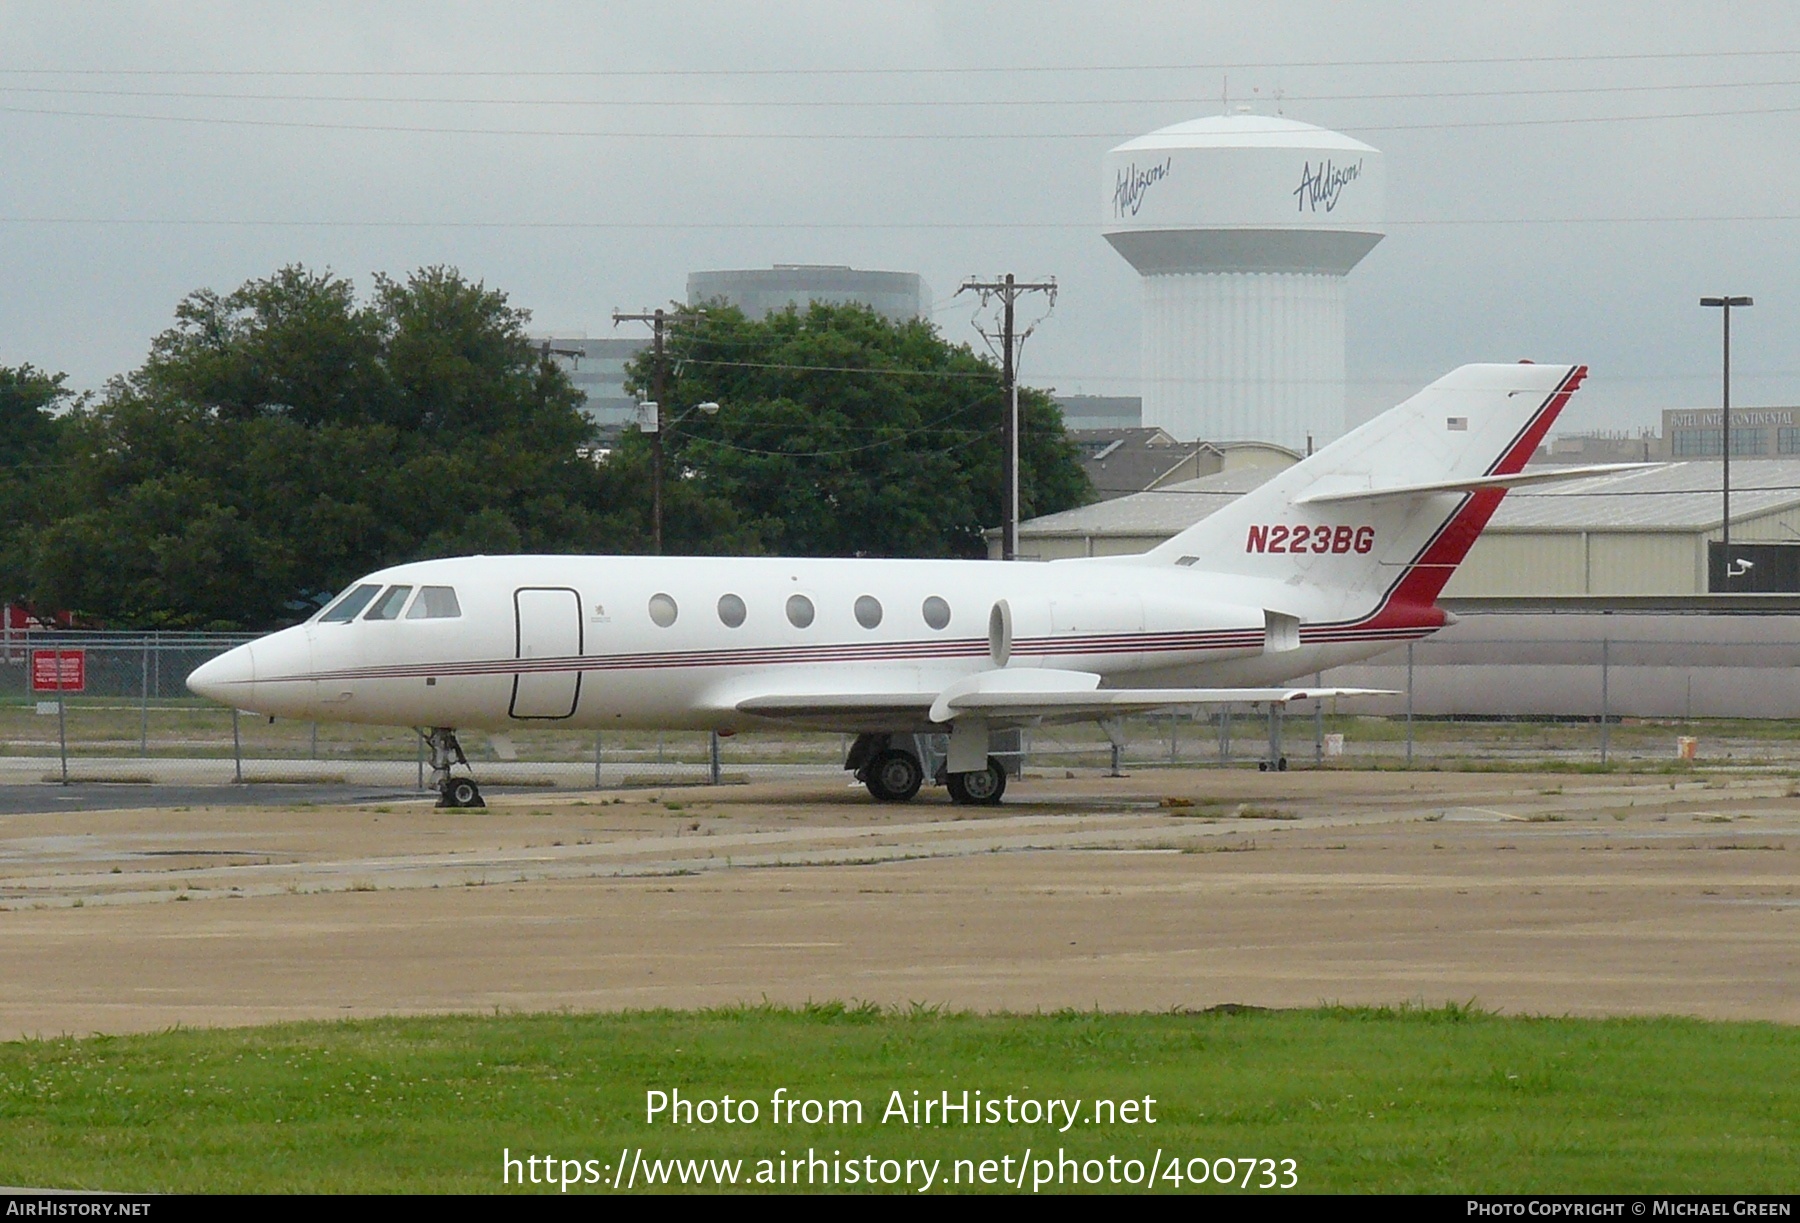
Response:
column 1468, row 485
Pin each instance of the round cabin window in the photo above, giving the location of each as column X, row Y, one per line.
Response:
column 799, row 611
column 663, row 610
column 731, row 611
column 936, row 612
column 868, row 611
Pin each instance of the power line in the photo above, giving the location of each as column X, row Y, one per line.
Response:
column 899, row 103
column 276, row 223
column 1048, row 380
column 936, row 426
column 1586, row 119
column 973, row 70
column 965, row 434
column 987, row 375
column 860, row 137
column 1072, row 226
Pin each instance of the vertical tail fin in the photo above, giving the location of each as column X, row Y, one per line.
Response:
column 1350, row 518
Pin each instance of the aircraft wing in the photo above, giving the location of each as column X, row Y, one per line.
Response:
column 1018, row 696
column 1107, row 702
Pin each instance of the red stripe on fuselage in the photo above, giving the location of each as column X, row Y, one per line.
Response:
column 1123, row 643
column 1406, row 611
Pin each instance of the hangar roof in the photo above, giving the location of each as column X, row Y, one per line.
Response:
column 1161, row 511
column 1120, row 462
column 1669, row 497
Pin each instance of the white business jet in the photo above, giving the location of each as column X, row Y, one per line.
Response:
column 1333, row 560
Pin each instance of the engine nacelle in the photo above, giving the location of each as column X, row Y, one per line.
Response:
column 1123, row 632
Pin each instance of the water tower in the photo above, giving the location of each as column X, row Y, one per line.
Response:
column 1243, row 228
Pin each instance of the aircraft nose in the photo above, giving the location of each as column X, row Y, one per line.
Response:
column 229, row 679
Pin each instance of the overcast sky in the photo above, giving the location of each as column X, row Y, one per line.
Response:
column 1564, row 181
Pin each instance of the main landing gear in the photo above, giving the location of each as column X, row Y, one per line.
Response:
column 981, row 788
column 894, row 776
column 446, row 752
column 890, row 766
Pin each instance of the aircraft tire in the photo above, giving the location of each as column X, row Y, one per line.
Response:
column 894, row 776
column 980, row 789
column 463, row 792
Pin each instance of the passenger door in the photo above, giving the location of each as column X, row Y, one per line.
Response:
column 549, row 635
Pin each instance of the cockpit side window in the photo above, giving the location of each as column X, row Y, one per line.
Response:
column 349, row 604
column 388, row 606
column 435, row 603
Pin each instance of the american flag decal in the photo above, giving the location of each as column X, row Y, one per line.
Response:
column 1457, row 424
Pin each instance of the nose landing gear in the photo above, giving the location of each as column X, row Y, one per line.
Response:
column 446, row 752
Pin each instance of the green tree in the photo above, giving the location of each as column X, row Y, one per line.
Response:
column 460, row 364
column 842, row 433
column 287, row 437
column 30, row 401
column 32, row 404
column 296, row 344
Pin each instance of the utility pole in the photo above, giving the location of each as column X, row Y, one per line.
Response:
column 545, row 352
column 1724, row 305
column 659, row 388
column 1008, row 290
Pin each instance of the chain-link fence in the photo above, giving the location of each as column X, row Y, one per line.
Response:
column 1481, row 698
column 124, row 715
column 1319, row 734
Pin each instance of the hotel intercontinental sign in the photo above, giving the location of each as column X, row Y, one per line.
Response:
column 1739, row 418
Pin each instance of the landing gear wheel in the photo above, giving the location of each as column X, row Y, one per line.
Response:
column 894, row 776
column 446, row 753
column 463, row 792
column 979, row 789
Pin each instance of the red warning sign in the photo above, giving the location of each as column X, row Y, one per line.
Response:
column 58, row 670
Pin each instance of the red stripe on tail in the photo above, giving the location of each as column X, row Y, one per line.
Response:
column 1412, row 600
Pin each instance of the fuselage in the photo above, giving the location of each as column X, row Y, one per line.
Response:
column 600, row 642
column 1335, row 559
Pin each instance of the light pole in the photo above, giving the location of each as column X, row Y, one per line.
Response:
column 1724, row 305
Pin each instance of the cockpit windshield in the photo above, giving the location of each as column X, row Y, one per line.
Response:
column 388, row 606
column 349, row 603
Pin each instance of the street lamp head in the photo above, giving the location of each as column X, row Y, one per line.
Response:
column 709, row 408
column 1727, row 301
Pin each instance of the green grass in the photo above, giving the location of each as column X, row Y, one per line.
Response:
column 1450, row 1100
